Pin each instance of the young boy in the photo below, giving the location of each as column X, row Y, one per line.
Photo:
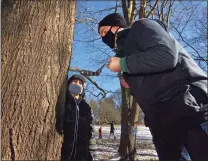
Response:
column 77, row 120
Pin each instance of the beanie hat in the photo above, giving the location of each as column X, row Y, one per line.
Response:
column 76, row 76
column 113, row 19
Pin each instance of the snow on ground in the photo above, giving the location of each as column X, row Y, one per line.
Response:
column 107, row 148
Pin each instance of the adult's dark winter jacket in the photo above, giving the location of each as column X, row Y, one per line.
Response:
column 158, row 70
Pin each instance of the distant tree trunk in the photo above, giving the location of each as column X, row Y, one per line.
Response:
column 36, row 51
column 124, row 139
column 129, row 120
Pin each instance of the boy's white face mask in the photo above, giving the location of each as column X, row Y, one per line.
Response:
column 75, row 89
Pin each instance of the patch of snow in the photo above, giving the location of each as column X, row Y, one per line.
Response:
column 107, row 149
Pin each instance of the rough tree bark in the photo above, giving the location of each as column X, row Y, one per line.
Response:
column 129, row 120
column 36, row 51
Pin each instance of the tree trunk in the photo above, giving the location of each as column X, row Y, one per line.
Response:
column 130, row 108
column 133, row 118
column 124, row 139
column 129, row 120
column 36, row 51
column 142, row 9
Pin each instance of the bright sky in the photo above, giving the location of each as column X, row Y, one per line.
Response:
column 82, row 57
column 87, row 57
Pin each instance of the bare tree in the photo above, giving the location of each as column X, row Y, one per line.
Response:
column 109, row 112
column 36, row 50
column 189, row 26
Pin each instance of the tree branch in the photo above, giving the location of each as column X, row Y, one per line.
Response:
column 125, row 11
column 142, row 8
column 189, row 44
column 152, row 9
column 132, row 4
column 116, row 8
column 169, row 12
column 96, row 85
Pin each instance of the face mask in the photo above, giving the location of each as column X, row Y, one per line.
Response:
column 109, row 39
column 75, row 89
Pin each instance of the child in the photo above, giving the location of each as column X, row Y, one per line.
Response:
column 77, row 119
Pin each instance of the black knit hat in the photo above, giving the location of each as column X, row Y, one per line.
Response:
column 113, row 19
column 76, row 76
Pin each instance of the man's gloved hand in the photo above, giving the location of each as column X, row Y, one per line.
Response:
column 60, row 132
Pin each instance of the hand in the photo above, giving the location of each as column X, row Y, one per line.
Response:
column 114, row 64
column 59, row 128
column 123, row 82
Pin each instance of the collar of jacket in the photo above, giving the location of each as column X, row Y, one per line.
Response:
column 120, row 40
column 71, row 99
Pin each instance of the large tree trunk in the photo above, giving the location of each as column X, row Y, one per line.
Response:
column 36, row 51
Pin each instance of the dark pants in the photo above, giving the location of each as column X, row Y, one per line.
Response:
column 184, row 155
column 169, row 148
column 168, row 138
column 79, row 151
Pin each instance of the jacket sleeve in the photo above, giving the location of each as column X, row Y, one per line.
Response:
column 157, row 51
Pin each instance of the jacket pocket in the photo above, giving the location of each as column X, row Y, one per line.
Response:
column 163, row 96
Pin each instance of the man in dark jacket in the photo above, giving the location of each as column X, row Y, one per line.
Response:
column 167, row 83
column 75, row 122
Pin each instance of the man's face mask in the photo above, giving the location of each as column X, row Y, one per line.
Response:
column 109, row 39
column 75, row 89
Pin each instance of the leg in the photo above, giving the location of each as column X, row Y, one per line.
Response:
column 114, row 137
column 109, row 136
column 201, row 99
column 196, row 143
column 67, row 149
column 167, row 143
column 184, row 155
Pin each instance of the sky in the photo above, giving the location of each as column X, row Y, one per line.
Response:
column 89, row 56
column 82, row 57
